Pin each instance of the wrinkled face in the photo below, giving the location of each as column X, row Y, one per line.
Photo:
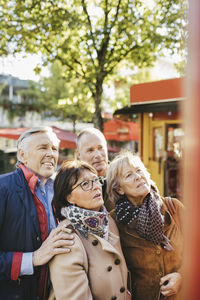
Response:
column 40, row 154
column 134, row 183
column 91, row 199
column 93, row 150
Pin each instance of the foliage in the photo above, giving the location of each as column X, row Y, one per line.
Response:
column 2, row 86
column 91, row 37
column 32, row 94
column 65, row 99
column 122, row 86
column 30, row 101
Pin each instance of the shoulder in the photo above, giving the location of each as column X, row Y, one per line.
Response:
column 111, row 219
column 76, row 256
column 113, row 214
column 177, row 210
column 7, row 183
column 120, row 226
column 78, row 244
column 112, row 225
column 168, row 201
column 178, row 203
column 7, row 178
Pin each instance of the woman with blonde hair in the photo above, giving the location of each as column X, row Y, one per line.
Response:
column 150, row 235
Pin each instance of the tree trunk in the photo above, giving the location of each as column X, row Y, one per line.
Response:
column 97, row 119
column 74, row 124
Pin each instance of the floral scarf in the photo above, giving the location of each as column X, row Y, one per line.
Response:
column 87, row 221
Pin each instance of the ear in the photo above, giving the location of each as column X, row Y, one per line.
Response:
column 70, row 199
column 77, row 154
column 22, row 156
column 119, row 190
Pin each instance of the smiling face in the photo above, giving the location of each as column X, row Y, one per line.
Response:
column 40, row 154
column 134, row 182
column 91, row 199
column 93, row 150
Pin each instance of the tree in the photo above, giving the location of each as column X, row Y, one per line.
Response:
column 91, row 37
column 29, row 100
column 122, row 86
column 65, row 99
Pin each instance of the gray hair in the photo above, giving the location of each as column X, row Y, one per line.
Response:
column 24, row 138
column 92, row 131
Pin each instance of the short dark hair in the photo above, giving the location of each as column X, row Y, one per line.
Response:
column 67, row 177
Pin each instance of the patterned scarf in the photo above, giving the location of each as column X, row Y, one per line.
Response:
column 87, row 221
column 149, row 220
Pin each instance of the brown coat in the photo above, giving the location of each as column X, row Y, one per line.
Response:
column 148, row 262
column 94, row 269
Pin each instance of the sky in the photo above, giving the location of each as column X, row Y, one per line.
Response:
column 22, row 67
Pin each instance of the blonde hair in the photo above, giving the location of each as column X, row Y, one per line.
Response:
column 115, row 171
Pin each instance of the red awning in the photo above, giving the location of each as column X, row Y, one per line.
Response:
column 117, row 130
column 67, row 139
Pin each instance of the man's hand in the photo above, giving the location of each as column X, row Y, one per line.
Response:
column 56, row 243
column 170, row 284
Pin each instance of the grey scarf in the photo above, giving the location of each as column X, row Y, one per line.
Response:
column 149, row 220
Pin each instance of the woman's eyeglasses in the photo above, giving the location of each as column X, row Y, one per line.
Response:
column 87, row 185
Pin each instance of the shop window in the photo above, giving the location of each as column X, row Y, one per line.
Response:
column 157, row 143
column 174, row 147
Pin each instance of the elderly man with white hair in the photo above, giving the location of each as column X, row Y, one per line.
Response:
column 29, row 235
column 92, row 148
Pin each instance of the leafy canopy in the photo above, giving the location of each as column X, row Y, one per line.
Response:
column 64, row 99
column 91, row 37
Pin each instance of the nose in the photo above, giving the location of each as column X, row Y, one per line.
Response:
column 97, row 153
column 49, row 152
column 96, row 184
column 137, row 176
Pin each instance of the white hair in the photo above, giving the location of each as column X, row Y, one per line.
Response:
column 92, row 131
column 24, row 139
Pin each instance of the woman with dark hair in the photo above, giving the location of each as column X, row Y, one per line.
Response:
column 95, row 268
column 151, row 236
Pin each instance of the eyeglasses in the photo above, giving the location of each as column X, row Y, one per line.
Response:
column 87, row 185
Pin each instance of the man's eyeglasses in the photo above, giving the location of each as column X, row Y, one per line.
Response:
column 87, row 185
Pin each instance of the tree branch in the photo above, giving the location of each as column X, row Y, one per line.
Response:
column 90, row 24
column 105, row 41
column 109, row 70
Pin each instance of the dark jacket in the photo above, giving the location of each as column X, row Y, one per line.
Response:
column 19, row 232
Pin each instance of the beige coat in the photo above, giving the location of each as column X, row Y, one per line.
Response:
column 94, row 269
column 148, row 262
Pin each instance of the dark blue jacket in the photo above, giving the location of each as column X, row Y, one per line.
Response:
column 19, row 232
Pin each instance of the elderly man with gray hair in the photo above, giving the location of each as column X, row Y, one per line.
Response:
column 29, row 237
column 92, row 148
